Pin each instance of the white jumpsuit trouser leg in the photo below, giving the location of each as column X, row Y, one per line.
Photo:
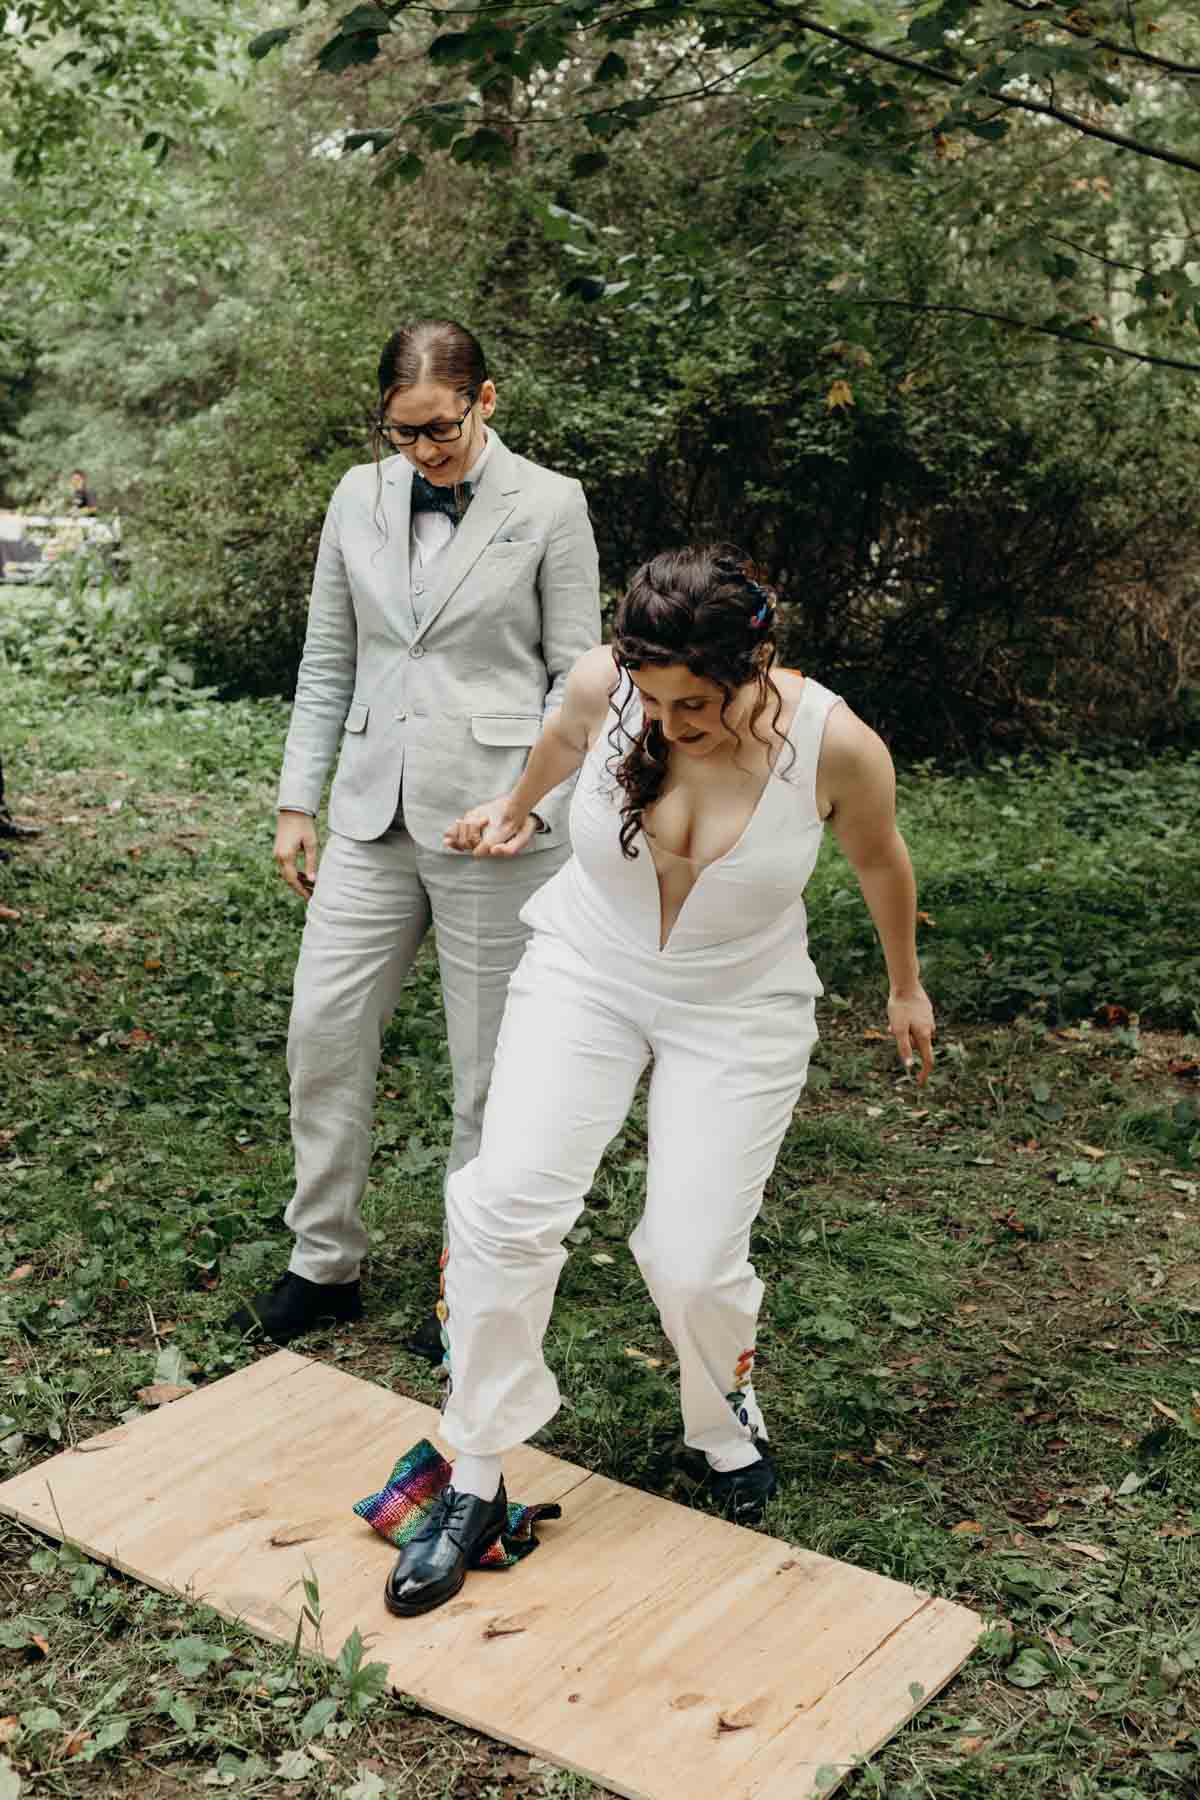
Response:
column 572, row 1046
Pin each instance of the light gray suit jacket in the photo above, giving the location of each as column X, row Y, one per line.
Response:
column 442, row 713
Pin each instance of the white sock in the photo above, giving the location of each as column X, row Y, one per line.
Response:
column 738, row 1456
column 477, row 1475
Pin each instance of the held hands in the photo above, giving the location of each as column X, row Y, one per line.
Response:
column 295, row 832
column 910, row 1020
column 493, row 829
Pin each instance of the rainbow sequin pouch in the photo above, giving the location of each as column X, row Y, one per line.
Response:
column 400, row 1509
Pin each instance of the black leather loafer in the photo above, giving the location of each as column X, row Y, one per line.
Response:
column 294, row 1306
column 742, row 1494
column 433, row 1564
column 425, row 1341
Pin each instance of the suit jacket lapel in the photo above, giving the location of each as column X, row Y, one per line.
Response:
column 493, row 501
column 397, row 515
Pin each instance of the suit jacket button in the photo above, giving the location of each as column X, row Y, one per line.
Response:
column 400, row 718
column 417, row 650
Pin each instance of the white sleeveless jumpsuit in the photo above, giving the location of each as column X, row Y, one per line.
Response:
column 725, row 1009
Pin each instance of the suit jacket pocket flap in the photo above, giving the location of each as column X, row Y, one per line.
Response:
column 356, row 718
column 506, row 730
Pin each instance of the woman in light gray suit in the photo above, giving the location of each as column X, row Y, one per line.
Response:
column 456, row 585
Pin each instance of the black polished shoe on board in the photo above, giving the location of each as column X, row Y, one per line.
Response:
column 433, row 1564
column 742, row 1494
column 294, row 1306
column 425, row 1340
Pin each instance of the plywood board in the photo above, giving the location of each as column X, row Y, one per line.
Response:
column 661, row 1652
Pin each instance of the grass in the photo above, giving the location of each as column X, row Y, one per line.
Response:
column 980, row 1348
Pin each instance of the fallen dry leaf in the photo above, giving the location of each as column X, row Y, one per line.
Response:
column 1167, row 1412
column 297, row 1534
column 10, row 913
column 21, row 1272
column 1110, row 1017
column 923, row 918
column 75, row 1741
column 9, row 1728
column 1088, row 1550
column 970, row 1746
column 741, row 1718
column 40, row 1644
column 161, row 1393
column 651, row 1362
column 511, row 1624
column 839, row 396
column 871, row 1036
column 966, row 1528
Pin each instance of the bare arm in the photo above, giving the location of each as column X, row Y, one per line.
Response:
column 502, row 827
column 856, row 778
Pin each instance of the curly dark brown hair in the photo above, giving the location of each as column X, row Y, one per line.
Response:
column 711, row 611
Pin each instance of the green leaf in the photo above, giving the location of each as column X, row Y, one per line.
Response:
column 266, row 41
column 350, row 1654
column 171, row 1366
column 366, row 18
column 357, row 140
column 1028, row 1669
column 317, row 1718
column 483, row 146
column 346, row 49
column 41, row 1718
column 107, row 1738
column 452, row 47
column 195, row 1655
column 183, row 1713
column 612, row 68
column 406, row 167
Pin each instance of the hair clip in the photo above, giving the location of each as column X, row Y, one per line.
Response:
column 767, row 603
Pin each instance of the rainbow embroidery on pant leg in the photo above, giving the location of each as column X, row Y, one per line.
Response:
column 743, row 1370
column 400, row 1509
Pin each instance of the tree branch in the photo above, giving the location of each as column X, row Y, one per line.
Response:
column 802, row 23
column 1040, row 10
column 1102, row 346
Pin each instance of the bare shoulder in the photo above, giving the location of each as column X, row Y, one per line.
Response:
column 855, row 764
column 595, row 676
column 590, row 686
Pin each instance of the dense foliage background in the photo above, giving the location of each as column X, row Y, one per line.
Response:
column 773, row 309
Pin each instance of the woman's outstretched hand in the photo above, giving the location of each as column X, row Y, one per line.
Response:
column 493, row 829
column 910, row 1020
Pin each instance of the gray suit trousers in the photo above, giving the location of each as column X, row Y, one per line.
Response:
column 373, row 904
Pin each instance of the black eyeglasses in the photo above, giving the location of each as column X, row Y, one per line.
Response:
column 438, row 431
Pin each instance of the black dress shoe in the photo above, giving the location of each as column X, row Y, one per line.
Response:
column 294, row 1306
column 426, row 1341
column 742, row 1494
column 433, row 1564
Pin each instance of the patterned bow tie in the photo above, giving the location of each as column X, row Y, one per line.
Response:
column 453, row 501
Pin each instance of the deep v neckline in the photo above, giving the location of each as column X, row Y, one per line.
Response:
column 664, row 940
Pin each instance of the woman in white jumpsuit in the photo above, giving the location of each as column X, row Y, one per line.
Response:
column 676, row 934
